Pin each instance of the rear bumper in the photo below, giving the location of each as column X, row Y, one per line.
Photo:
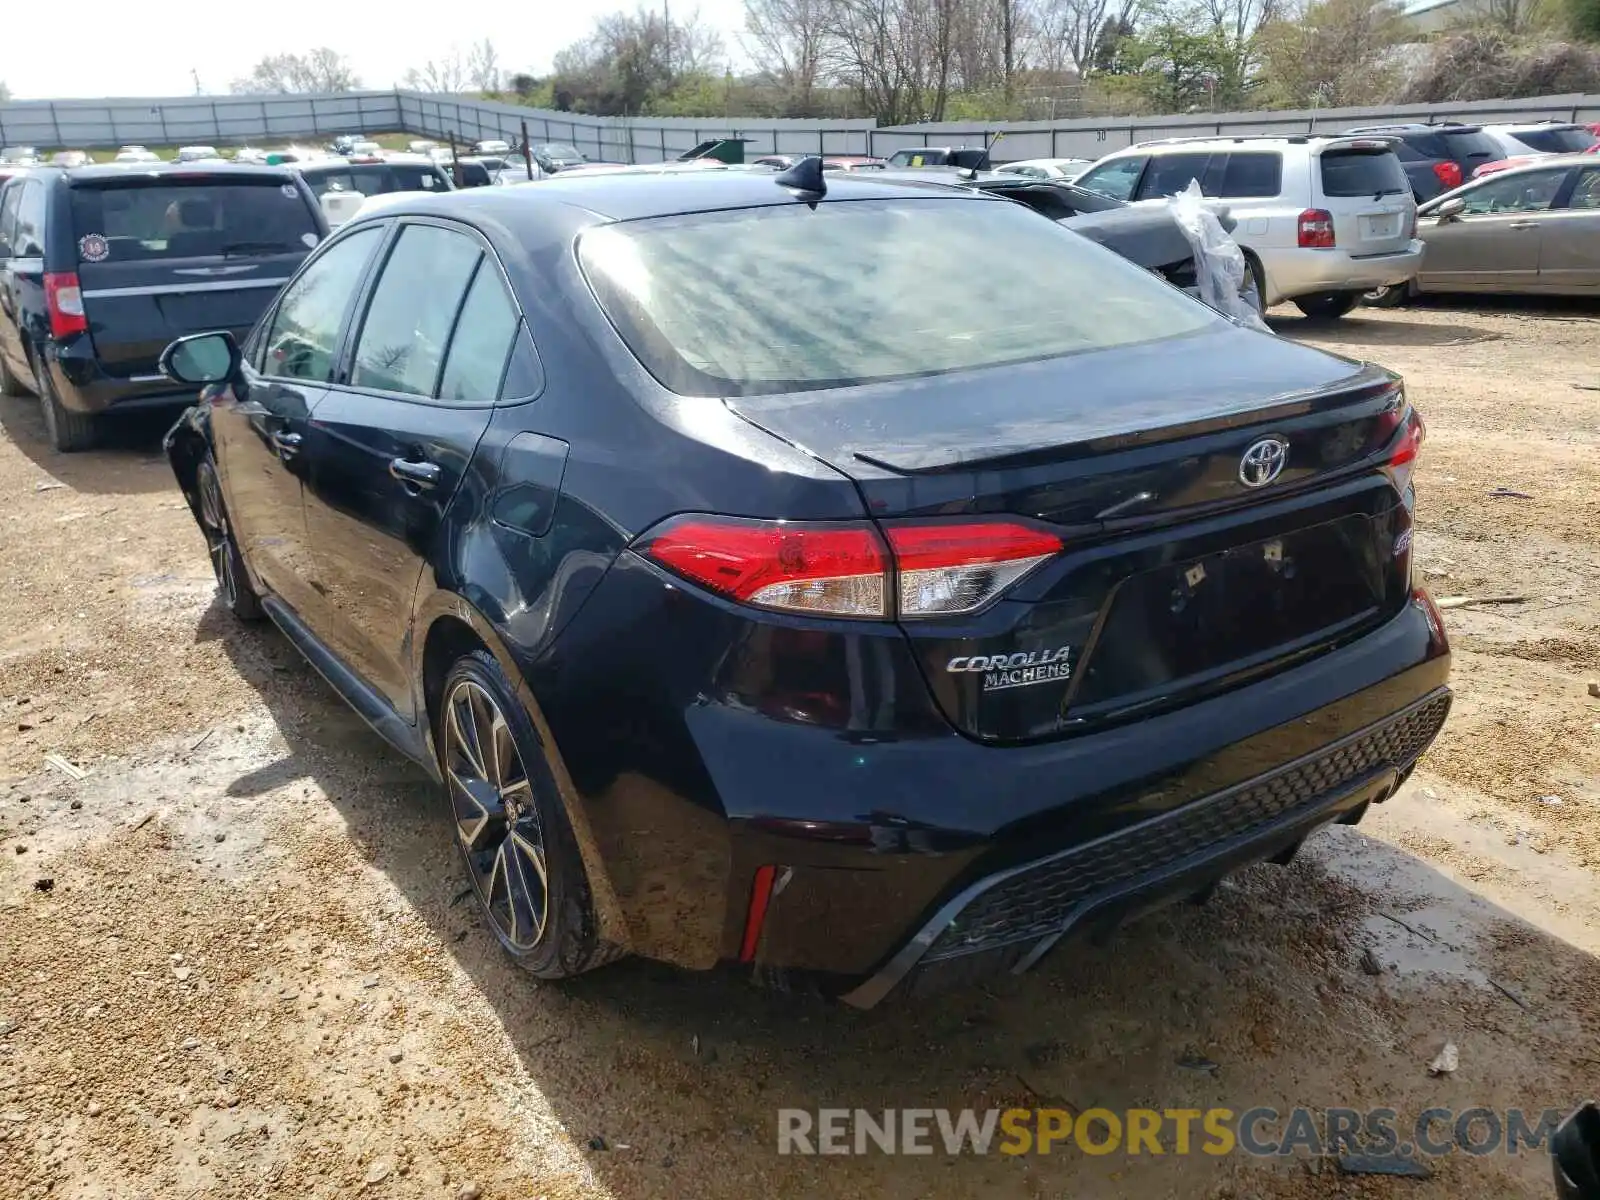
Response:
column 1295, row 272
column 83, row 386
column 1009, row 920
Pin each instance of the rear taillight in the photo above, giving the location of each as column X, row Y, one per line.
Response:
column 1449, row 174
column 1408, row 444
column 835, row 569
column 845, row 570
column 956, row 568
column 63, row 300
column 1316, row 229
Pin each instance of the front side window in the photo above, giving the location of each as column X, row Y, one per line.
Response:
column 10, row 198
column 1115, row 179
column 305, row 330
column 766, row 300
column 413, row 309
column 1525, row 191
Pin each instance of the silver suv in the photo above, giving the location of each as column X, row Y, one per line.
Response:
column 1321, row 219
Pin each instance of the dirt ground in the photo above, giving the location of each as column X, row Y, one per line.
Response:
column 236, row 958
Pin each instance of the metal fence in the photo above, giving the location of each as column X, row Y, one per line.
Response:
column 234, row 120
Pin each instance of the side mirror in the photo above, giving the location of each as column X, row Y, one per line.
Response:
column 1450, row 210
column 201, row 358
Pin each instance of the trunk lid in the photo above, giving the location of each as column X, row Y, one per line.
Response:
column 1369, row 196
column 1175, row 577
column 163, row 255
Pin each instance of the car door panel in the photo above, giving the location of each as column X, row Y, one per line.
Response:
column 260, row 425
column 1569, row 252
column 1494, row 245
column 10, row 316
column 387, row 455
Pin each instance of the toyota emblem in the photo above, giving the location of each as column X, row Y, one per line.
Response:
column 1263, row 462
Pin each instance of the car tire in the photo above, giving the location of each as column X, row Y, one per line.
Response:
column 1255, row 286
column 67, row 431
column 10, row 385
column 227, row 564
column 1392, row 296
column 510, row 826
column 1327, row 306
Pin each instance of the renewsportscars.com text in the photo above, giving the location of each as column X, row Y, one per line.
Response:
column 1261, row 1132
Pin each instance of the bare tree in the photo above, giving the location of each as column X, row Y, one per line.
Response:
column 1068, row 31
column 319, row 70
column 483, row 66
column 1239, row 21
column 447, row 74
column 786, row 39
column 896, row 55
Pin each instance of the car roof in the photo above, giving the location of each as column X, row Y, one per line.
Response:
column 1543, row 162
column 622, row 197
column 222, row 169
column 1536, row 126
column 1415, row 127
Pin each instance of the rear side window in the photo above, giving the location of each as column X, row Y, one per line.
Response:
column 28, row 241
column 144, row 220
column 1252, row 175
column 1556, row 141
column 306, row 327
column 1362, row 173
column 481, row 342
column 412, row 311
column 10, row 198
column 1170, row 174
column 765, row 300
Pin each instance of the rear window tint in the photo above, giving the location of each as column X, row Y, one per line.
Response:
column 1362, row 173
column 765, row 300
column 1556, row 141
column 1252, row 175
column 1476, row 144
column 139, row 220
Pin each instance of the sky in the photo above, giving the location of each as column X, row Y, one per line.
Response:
column 149, row 48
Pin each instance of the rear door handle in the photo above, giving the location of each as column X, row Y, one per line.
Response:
column 1524, row 225
column 416, row 474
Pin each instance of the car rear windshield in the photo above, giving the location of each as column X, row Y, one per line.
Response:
column 137, row 220
column 765, row 300
column 1471, row 143
column 379, row 179
column 1362, row 173
column 1571, row 140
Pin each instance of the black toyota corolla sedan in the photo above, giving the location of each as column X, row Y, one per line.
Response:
column 758, row 594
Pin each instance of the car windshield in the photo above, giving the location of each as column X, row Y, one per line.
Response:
column 1571, row 140
column 561, row 150
column 1363, row 173
column 139, row 219
column 778, row 299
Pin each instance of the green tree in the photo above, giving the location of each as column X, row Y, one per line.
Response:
column 1339, row 53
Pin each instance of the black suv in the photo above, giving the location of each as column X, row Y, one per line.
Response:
column 102, row 266
column 1437, row 158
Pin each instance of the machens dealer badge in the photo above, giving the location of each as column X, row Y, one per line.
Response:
column 1002, row 671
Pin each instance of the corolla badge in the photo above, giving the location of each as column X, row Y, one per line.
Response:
column 1263, row 462
column 1022, row 669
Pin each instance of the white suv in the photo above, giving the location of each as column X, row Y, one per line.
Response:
column 1321, row 219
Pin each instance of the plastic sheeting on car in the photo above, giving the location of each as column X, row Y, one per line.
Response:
column 1224, row 278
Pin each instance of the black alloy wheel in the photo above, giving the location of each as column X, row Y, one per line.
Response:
column 496, row 817
column 232, row 581
column 510, row 825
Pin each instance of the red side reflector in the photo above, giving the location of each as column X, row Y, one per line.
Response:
column 63, row 301
column 760, row 897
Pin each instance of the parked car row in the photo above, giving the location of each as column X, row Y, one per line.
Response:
column 851, row 575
